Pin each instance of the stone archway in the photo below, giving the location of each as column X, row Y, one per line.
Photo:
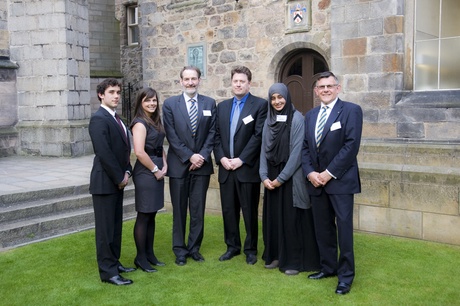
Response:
column 295, row 65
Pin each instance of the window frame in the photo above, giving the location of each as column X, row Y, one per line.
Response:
column 132, row 26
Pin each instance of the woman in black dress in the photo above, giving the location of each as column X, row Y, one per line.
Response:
column 287, row 221
column 148, row 175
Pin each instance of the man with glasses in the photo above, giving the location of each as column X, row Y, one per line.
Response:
column 329, row 162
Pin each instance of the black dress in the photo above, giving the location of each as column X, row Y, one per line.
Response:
column 288, row 231
column 149, row 192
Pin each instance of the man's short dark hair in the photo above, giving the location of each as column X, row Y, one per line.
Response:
column 190, row 68
column 102, row 86
column 242, row 69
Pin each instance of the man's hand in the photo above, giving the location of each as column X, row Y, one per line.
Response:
column 124, row 182
column 235, row 163
column 197, row 161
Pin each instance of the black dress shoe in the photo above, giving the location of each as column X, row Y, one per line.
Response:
column 251, row 259
column 118, row 280
column 343, row 288
column 181, row 260
column 144, row 268
column 228, row 255
column 320, row 275
column 197, row 257
column 122, row 269
column 156, row 262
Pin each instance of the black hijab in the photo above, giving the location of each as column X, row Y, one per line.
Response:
column 279, row 129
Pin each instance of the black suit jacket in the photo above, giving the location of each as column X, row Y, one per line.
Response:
column 112, row 152
column 247, row 140
column 338, row 150
column 182, row 144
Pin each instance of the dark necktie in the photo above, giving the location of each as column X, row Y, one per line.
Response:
column 234, row 123
column 121, row 127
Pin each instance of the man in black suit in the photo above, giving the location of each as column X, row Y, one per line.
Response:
column 109, row 176
column 329, row 162
column 189, row 121
column 237, row 151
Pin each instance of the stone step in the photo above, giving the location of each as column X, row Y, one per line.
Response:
column 25, row 222
column 44, row 207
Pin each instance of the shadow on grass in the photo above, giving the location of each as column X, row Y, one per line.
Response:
column 63, row 271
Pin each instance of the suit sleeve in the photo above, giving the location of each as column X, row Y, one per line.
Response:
column 251, row 152
column 307, row 165
column 218, row 150
column 263, row 170
column 175, row 143
column 208, row 144
column 99, row 132
column 349, row 150
column 294, row 160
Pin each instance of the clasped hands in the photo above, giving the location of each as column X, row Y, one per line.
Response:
column 231, row 163
column 270, row 185
column 197, row 161
column 319, row 179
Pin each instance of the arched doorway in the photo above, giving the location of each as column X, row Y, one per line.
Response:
column 297, row 73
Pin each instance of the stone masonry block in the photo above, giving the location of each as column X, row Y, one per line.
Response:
column 385, row 8
column 393, row 24
column 423, row 197
column 393, row 62
column 348, row 64
column 345, row 30
column 381, row 81
column 371, row 27
column 355, row 46
column 441, row 228
column 379, row 130
column 375, row 193
column 357, row 11
column 411, row 130
column 355, row 83
column 442, row 130
column 390, row 221
column 383, row 44
column 370, row 63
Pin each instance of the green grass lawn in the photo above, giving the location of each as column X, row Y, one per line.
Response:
column 389, row 271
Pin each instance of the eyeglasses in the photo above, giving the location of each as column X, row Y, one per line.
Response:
column 324, row 87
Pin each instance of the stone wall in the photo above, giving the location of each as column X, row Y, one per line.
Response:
column 250, row 33
column 49, row 41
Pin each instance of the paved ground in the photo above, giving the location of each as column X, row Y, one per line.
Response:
column 29, row 173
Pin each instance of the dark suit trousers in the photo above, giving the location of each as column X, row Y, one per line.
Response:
column 234, row 196
column 189, row 192
column 333, row 218
column 108, row 216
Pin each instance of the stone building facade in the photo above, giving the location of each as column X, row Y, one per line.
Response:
column 52, row 56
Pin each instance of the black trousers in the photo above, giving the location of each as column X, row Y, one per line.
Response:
column 188, row 193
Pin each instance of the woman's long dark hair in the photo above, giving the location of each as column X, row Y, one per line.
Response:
column 153, row 120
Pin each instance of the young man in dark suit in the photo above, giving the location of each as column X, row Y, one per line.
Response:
column 240, row 122
column 329, row 162
column 109, row 176
column 189, row 121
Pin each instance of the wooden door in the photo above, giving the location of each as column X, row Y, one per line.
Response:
column 298, row 74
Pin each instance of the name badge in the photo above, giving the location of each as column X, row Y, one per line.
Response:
column 336, row 126
column 281, row 118
column 206, row 113
column 248, row 119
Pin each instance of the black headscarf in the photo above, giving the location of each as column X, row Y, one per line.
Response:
column 278, row 134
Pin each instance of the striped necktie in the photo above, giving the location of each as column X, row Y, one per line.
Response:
column 321, row 123
column 193, row 116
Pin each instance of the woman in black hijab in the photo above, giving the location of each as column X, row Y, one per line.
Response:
column 287, row 223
